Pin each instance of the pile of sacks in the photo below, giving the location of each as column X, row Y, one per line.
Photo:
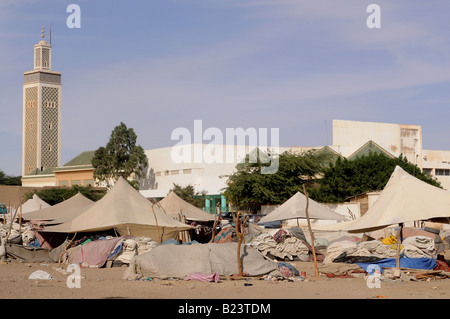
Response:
column 419, row 247
column 18, row 233
column 353, row 251
column 281, row 244
column 348, row 250
column 134, row 246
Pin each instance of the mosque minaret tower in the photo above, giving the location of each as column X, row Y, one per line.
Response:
column 41, row 147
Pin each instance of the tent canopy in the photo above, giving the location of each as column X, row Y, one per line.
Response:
column 33, row 204
column 405, row 198
column 295, row 208
column 62, row 212
column 126, row 210
column 173, row 205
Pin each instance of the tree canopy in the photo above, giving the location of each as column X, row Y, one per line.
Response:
column 327, row 179
column 189, row 194
column 9, row 180
column 248, row 189
column 56, row 195
column 120, row 157
column 371, row 172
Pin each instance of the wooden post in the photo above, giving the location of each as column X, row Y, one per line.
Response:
column 310, row 232
column 216, row 221
column 239, row 236
column 399, row 237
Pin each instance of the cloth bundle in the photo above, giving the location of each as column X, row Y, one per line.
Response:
column 18, row 234
column 419, row 247
column 287, row 270
column 280, row 235
column 203, row 277
column 135, row 246
column 346, row 250
column 290, row 247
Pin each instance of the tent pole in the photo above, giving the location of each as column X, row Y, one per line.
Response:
column 310, row 231
column 399, row 237
column 237, row 225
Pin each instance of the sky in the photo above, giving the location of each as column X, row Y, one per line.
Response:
column 294, row 65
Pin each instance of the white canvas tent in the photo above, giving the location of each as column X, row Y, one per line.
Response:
column 62, row 212
column 124, row 209
column 294, row 208
column 404, row 199
column 33, row 204
column 178, row 261
column 173, row 205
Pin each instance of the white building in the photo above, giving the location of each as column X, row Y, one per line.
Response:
column 396, row 139
column 206, row 167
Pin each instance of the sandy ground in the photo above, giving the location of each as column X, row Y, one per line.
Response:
column 107, row 283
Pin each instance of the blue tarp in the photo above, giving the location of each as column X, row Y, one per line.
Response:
column 174, row 242
column 414, row 263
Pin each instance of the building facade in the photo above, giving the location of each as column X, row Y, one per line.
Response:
column 393, row 139
column 41, row 144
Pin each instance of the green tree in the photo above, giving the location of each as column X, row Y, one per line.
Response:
column 346, row 178
column 120, row 157
column 9, row 180
column 189, row 194
column 248, row 189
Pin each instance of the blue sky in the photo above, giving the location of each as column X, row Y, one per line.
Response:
column 290, row 64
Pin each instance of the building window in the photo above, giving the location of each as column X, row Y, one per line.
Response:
column 174, row 172
column 76, row 182
column 427, row 171
column 88, row 182
column 158, row 174
column 50, row 147
column 63, row 183
column 442, row 172
column 50, row 125
column 187, row 171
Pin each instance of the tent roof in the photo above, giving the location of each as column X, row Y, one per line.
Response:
column 64, row 211
column 172, row 204
column 295, row 207
column 405, row 198
column 126, row 210
column 33, row 204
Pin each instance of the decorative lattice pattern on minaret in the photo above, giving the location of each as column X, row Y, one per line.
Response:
column 31, row 129
column 37, row 58
column 49, row 144
column 45, row 58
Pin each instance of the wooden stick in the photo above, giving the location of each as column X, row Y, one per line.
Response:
column 239, row 236
column 20, row 219
column 397, row 258
column 310, row 232
column 215, row 225
column 10, row 225
column 65, row 249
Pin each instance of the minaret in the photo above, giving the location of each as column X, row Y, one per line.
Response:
column 41, row 147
